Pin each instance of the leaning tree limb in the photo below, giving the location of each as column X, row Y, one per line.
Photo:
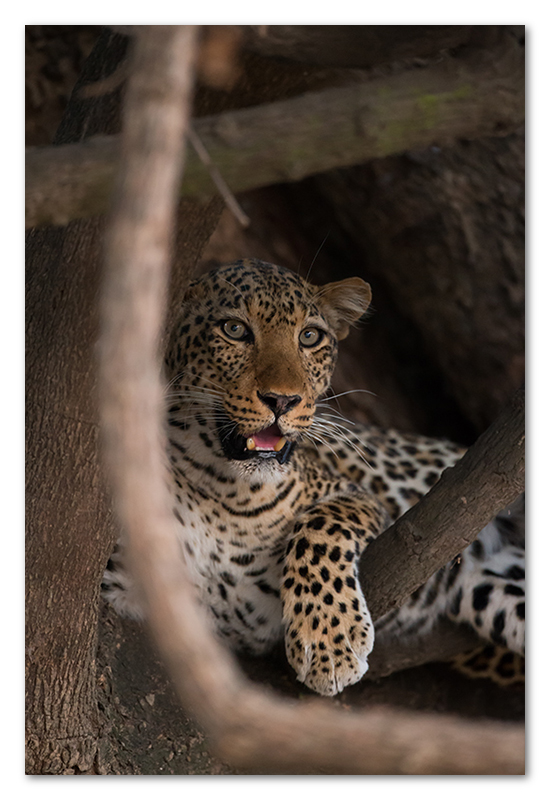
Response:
column 489, row 477
column 460, row 98
column 250, row 727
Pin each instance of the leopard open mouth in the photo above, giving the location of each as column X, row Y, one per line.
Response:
column 267, row 443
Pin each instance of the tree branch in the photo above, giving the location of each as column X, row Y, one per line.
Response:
column 444, row 641
column 250, row 727
column 488, row 478
column 482, row 95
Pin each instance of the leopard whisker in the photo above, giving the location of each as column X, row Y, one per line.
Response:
column 317, row 436
column 214, row 383
column 329, row 417
column 191, row 415
column 350, row 391
column 200, row 396
column 336, row 430
column 311, row 438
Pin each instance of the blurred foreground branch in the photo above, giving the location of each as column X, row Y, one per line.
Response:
column 249, row 727
column 459, row 98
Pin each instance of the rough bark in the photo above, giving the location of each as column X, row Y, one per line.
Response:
column 286, row 141
column 393, row 654
column 69, row 533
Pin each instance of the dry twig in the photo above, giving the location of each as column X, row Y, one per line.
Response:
column 228, row 196
column 250, row 727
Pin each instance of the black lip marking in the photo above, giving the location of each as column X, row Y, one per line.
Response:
column 234, row 445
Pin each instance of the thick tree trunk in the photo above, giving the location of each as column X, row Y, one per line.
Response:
column 69, row 534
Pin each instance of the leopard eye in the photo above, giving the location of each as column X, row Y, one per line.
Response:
column 309, row 337
column 235, row 329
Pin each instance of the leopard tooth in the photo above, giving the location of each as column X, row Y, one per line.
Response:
column 280, row 444
column 250, row 444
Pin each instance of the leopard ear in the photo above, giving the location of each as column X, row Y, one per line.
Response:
column 195, row 291
column 343, row 303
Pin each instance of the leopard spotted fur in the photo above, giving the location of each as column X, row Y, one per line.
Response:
column 276, row 498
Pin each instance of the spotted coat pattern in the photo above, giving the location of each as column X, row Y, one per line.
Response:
column 276, row 497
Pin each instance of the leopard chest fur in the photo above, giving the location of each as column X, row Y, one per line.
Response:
column 236, row 570
column 233, row 541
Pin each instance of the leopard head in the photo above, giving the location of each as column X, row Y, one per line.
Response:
column 253, row 350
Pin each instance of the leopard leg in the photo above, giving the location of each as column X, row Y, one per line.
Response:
column 328, row 629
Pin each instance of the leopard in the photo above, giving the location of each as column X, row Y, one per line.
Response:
column 276, row 495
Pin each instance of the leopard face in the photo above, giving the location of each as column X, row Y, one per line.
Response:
column 253, row 350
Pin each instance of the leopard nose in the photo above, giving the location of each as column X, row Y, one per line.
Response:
column 279, row 403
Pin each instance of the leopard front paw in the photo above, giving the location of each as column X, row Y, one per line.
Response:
column 327, row 640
